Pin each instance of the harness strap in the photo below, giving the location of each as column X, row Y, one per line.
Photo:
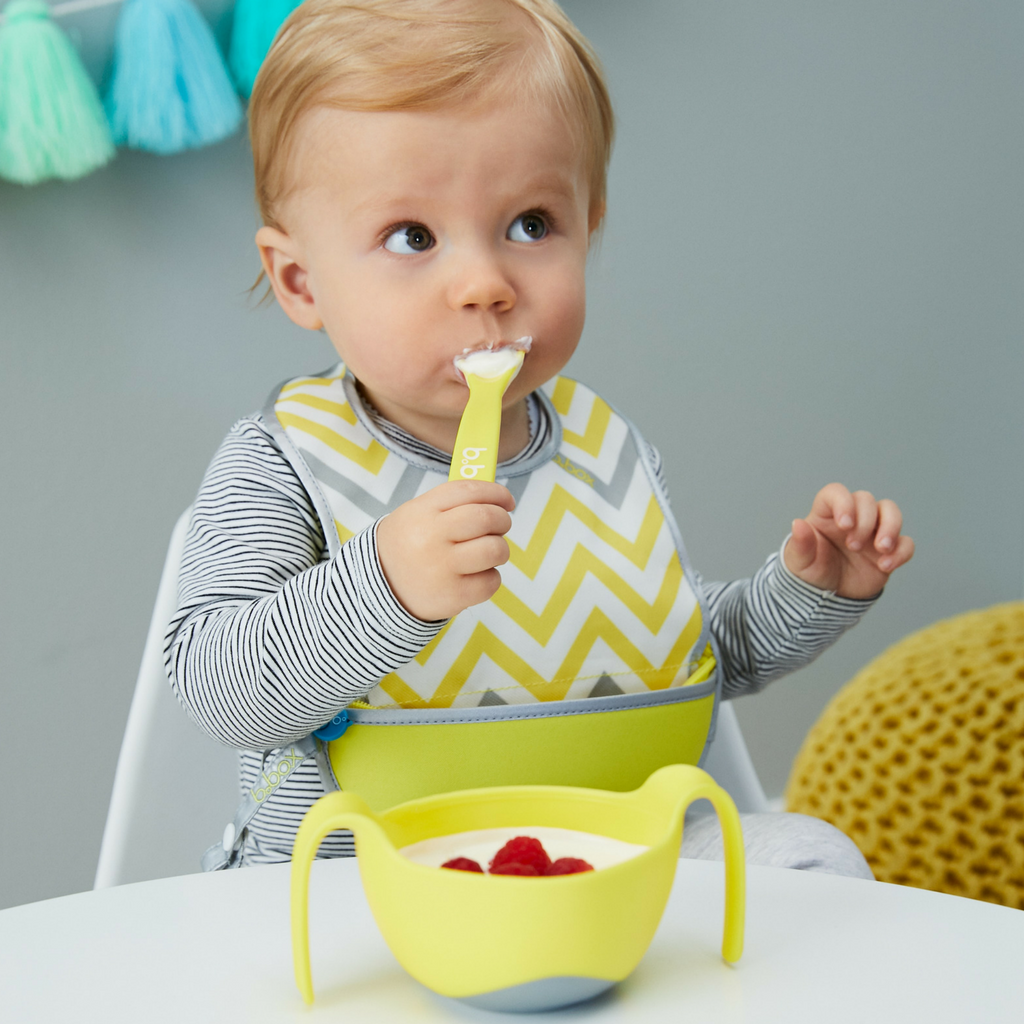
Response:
column 278, row 765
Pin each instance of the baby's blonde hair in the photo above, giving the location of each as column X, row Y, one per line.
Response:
column 423, row 55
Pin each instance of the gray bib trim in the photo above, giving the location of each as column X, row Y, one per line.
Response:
column 320, row 503
column 545, row 709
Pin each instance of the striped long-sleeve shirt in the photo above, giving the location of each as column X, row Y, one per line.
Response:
column 272, row 635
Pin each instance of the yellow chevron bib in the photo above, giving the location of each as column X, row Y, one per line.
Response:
column 597, row 598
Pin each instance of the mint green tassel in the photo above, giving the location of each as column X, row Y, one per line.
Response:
column 52, row 123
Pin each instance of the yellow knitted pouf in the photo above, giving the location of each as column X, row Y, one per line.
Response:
column 919, row 759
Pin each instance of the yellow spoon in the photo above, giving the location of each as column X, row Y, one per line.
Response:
column 488, row 373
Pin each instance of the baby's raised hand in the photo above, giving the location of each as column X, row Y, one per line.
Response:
column 440, row 551
column 849, row 543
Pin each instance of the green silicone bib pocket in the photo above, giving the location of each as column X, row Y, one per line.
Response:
column 610, row 743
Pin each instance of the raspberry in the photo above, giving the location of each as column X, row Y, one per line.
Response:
column 463, row 864
column 511, row 867
column 521, row 850
column 568, row 866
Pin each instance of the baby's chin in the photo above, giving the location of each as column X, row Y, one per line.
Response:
column 443, row 404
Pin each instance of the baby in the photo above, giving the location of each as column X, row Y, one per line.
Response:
column 430, row 174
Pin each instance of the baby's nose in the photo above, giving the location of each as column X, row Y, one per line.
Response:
column 483, row 285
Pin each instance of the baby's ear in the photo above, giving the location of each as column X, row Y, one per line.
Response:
column 284, row 265
column 595, row 217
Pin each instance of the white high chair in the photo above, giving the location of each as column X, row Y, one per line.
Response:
column 174, row 787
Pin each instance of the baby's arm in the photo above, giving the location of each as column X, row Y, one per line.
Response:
column 783, row 618
column 773, row 624
column 271, row 636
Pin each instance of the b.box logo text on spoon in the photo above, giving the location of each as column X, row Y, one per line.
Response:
column 470, row 467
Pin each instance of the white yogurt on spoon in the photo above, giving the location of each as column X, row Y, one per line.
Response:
column 490, row 363
column 482, row 844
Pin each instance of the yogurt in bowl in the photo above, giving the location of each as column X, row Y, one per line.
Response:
column 482, row 844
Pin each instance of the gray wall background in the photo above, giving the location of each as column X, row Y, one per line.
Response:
column 811, row 270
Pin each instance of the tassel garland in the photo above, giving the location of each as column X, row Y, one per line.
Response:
column 170, row 89
column 253, row 30
column 51, row 119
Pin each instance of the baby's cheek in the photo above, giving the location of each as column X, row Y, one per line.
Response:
column 567, row 300
column 562, row 320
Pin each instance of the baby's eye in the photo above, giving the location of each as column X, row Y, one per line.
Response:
column 527, row 227
column 411, row 238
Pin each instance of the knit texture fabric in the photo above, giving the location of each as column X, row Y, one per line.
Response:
column 920, row 759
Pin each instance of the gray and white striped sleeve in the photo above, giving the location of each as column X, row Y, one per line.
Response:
column 774, row 623
column 272, row 636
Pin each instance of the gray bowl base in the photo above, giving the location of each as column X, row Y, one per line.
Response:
column 542, row 994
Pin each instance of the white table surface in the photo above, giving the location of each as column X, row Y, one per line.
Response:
column 217, row 948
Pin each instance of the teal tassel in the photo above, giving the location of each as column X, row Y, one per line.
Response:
column 170, row 89
column 255, row 26
column 51, row 119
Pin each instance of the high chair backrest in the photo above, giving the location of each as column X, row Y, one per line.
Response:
column 728, row 762
column 175, row 788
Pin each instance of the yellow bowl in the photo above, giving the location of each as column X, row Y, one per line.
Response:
column 512, row 943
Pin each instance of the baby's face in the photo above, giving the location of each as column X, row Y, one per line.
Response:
column 418, row 235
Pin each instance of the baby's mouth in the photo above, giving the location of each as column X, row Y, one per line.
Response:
column 490, row 358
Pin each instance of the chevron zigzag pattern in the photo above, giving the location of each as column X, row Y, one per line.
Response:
column 521, row 675
column 359, row 477
column 594, row 598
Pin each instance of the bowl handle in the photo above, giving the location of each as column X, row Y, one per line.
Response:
column 333, row 811
column 735, row 867
column 676, row 786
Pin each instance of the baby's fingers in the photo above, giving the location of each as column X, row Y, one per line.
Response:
column 469, row 492
column 903, row 554
column 834, row 501
column 890, row 522
column 802, row 547
column 465, row 522
column 867, row 520
column 479, row 555
column 478, row 587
